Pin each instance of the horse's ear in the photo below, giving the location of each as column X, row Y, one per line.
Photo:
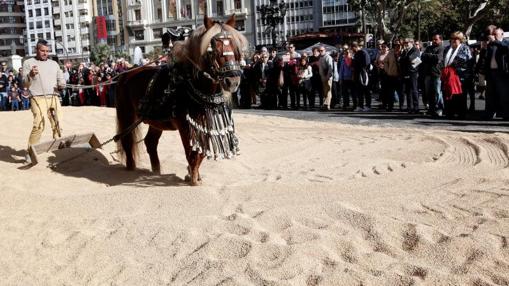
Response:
column 231, row 21
column 208, row 22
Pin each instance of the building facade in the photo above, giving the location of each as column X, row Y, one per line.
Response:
column 302, row 16
column 71, row 24
column 308, row 17
column 112, row 13
column 339, row 15
column 146, row 20
column 12, row 28
column 39, row 24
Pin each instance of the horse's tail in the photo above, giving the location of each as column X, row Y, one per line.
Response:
column 126, row 105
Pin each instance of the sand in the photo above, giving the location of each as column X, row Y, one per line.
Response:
column 306, row 203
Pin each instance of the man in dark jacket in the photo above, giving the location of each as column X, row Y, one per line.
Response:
column 433, row 61
column 409, row 61
column 360, row 65
column 496, row 66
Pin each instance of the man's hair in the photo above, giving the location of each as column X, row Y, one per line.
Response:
column 438, row 35
column 354, row 45
column 41, row 42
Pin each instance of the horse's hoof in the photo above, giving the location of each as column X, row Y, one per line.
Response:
column 197, row 183
column 187, row 178
column 156, row 171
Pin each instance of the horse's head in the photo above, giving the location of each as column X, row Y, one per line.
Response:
column 219, row 52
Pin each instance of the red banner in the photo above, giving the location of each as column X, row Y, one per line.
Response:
column 100, row 22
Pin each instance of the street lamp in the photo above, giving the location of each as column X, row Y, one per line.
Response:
column 273, row 14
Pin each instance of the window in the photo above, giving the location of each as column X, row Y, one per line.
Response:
column 157, row 33
column 219, row 8
column 46, row 11
column 38, row 25
column 238, row 4
column 137, row 14
column 159, row 13
column 37, row 12
column 239, row 25
column 48, row 35
column 30, row 13
column 31, row 25
column 138, row 35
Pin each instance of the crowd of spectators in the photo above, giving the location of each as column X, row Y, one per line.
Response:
column 13, row 96
column 441, row 79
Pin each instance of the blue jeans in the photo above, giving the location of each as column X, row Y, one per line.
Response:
column 26, row 103
column 15, row 105
column 3, row 100
column 433, row 89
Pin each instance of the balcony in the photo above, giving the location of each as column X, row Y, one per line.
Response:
column 134, row 3
column 83, row 6
column 58, row 33
column 85, row 18
column 136, row 23
column 238, row 12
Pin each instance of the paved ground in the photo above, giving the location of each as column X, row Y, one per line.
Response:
column 378, row 117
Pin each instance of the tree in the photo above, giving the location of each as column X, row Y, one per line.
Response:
column 388, row 16
column 399, row 17
column 100, row 53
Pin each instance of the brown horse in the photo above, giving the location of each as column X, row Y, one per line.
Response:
column 208, row 66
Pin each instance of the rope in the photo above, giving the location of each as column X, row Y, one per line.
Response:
column 114, row 138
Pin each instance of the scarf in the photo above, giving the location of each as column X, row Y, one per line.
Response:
column 449, row 58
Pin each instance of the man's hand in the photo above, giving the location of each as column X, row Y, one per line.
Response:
column 34, row 71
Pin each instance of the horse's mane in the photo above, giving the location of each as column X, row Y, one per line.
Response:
column 196, row 45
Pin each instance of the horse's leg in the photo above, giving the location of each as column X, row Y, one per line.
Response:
column 151, row 142
column 194, row 158
column 127, row 145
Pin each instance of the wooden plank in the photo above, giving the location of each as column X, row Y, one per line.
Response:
column 61, row 143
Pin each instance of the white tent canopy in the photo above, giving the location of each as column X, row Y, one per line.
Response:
column 309, row 50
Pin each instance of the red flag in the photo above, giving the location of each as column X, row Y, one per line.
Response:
column 100, row 22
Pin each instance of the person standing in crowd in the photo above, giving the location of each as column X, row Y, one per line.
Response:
column 346, row 79
column 325, row 70
column 3, row 90
column 496, row 69
column 360, row 63
column 261, row 70
column 290, row 82
column 66, row 92
column 19, row 77
column 43, row 78
column 336, row 91
column 275, row 83
column 392, row 77
column 14, row 98
column 4, row 68
column 409, row 62
column 456, row 57
column 304, row 72
column 432, row 62
column 25, row 98
column 380, row 71
column 316, row 81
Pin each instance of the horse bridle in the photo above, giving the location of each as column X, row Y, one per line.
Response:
column 230, row 68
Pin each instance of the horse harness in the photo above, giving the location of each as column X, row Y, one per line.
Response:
column 212, row 131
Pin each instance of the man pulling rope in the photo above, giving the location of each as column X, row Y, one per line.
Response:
column 43, row 78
